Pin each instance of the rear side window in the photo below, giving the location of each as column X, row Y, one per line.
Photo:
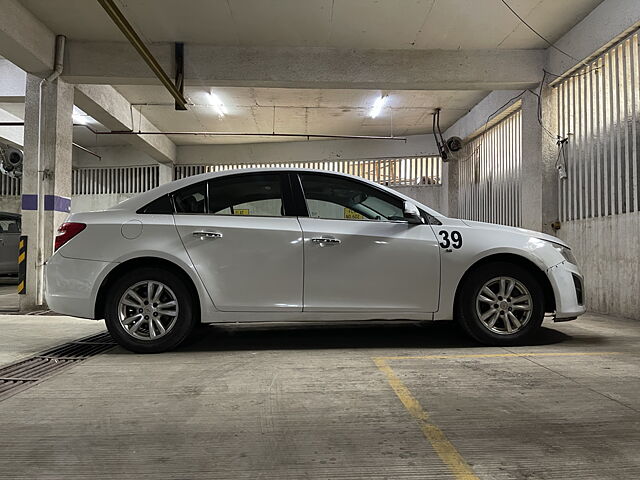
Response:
column 159, row 205
column 256, row 195
column 191, row 199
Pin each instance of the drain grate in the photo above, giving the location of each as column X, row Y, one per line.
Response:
column 25, row 373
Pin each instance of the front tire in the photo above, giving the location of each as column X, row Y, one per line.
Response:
column 500, row 304
column 149, row 310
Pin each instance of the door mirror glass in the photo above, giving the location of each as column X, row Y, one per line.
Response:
column 412, row 213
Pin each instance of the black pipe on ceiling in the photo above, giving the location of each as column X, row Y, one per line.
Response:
column 129, row 32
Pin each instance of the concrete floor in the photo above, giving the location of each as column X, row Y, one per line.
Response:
column 9, row 298
column 335, row 402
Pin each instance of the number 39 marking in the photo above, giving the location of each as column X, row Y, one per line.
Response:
column 455, row 241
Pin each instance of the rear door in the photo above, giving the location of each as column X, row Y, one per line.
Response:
column 243, row 241
column 360, row 253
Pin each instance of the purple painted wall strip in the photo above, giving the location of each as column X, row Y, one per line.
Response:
column 29, row 202
column 51, row 203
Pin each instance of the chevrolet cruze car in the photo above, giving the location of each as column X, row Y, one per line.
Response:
column 297, row 245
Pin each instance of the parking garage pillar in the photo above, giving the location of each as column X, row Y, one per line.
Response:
column 451, row 188
column 166, row 172
column 46, row 181
column 532, row 194
column 539, row 153
column 549, row 151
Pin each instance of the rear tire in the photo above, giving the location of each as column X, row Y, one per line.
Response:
column 500, row 304
column 149, row 310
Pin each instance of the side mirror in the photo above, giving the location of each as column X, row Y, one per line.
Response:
column 412, row 214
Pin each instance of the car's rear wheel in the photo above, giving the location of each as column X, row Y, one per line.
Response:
column 500, row 304
column 149, row 310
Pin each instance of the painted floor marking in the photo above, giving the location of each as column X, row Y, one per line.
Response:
column 436, row 437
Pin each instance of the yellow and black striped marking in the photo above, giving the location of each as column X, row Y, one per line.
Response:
column 22, row 266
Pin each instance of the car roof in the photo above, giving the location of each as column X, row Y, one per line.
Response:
column 135, row 203
column 13, row 216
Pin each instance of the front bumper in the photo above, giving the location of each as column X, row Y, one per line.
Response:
column 71, row 285
column 568, row 285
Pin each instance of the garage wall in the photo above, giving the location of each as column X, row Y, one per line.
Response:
column 9, row 194
column 10, row 204
column 430, row 195
column 599, row 207
column 608, row 251
column 490, row 174
column 315, row 150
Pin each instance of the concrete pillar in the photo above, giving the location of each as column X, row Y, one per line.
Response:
column 450, row 190
column 531, row 164
column 539, row 154
column 166, row 172
column 549, row 149
column 48, row 117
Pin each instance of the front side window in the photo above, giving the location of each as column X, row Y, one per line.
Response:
column 256, row 195
column 337, row 198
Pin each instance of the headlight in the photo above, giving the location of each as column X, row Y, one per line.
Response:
column 565, row 252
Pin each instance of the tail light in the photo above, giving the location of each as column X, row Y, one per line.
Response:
column 66, row 232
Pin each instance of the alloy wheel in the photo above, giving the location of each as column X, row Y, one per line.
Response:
column 148, row 310
column 504, row 305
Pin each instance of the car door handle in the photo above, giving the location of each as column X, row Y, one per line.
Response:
column 326, row 241
column 203, row 234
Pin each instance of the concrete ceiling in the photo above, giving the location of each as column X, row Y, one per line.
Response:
column 304, row 111
column 350, row 24
column 375, row 24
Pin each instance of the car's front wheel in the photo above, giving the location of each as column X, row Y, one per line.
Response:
column 500, row 304
column 149, row 310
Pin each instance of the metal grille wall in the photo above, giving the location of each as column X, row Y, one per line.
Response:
column 9, row 187
column 109, row 180
column 387, row 171
column 598, row 113
column 490, row 174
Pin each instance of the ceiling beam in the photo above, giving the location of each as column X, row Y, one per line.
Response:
column 607, row 24
column 25, row 40
column 13, row 82
column 307, row 67
column 105, row 104
column 14, row 136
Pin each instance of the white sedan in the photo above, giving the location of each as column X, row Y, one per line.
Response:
column 301, row 245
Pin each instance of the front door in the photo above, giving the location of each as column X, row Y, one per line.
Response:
column 245, row 248
column 360, row 253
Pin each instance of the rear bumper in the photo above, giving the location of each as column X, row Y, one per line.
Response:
column 71, row 285
column 563, row 278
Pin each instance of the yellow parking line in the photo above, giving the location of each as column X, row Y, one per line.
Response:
column 443, row 447
column 493, row 355
column 439, row 441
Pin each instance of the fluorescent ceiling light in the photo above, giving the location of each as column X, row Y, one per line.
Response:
column 218, row 105
column 80, row 117
column 377, row 106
